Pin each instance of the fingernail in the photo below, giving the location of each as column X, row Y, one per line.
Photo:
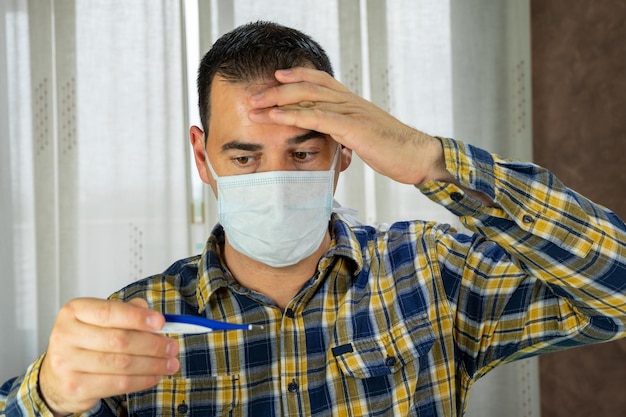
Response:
column 153, row 321
column 171, row 349
column 172, row 365
column 285, row 71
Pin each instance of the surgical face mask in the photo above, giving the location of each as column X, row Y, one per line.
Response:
column 277, row 217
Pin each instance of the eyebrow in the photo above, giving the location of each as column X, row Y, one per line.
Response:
column 254, row 147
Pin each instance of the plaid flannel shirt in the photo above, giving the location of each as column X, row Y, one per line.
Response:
column 394, row 323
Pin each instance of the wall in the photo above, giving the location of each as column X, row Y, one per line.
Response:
column 579, row 132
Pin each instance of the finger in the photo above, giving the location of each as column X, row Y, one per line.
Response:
column 314, row 76
column 115, row 340
column 139, row 302
column 107, row 363
column 326, row 118
column 106, row 313
column 300, row 85
column 290, row 94
column 303, row 105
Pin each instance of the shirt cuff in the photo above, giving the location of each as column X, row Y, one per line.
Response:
column 473, row 168
column 30, row 396
column 29, row 390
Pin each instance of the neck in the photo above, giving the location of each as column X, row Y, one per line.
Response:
column 279, row 284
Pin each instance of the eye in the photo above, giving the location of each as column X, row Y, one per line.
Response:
column 242, row 160
column 303, row 156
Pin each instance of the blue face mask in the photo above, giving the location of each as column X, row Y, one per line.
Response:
column 276, row 217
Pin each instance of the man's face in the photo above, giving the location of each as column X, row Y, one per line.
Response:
column 235, row 145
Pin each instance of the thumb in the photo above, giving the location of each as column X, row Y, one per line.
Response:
column 139, row 302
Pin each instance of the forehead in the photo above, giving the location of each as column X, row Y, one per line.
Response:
column 229, row 120
column 229, row 100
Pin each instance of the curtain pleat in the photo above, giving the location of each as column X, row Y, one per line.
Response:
column 18, row 297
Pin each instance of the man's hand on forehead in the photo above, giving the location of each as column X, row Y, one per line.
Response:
column 314, row 100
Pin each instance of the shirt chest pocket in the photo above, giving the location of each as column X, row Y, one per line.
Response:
column 372, row 368
column 186, row 397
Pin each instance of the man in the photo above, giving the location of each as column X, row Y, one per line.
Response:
column 355, row 321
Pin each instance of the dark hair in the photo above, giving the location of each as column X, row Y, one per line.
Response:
column 254, row 51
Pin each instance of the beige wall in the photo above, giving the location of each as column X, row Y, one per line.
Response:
column 579, row 132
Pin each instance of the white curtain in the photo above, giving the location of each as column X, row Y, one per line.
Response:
column 97, row 188
column 94, row 157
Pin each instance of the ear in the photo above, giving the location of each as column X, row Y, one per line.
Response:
column 196, row 135
column 346, row 157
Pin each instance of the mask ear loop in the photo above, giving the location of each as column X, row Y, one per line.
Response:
column 335, row 157
column 208, row 162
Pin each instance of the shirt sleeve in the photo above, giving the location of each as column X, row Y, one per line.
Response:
column 565, row 254
column 19, row 397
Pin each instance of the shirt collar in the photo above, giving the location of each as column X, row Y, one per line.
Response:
column 213, row 274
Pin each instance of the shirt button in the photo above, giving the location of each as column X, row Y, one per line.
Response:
column 182, row 408
column 293, row 386
column 456, row 196
column 390, row 361
column 290, row 313
column 527, row 219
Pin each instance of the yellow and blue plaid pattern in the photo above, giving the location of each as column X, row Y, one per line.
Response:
column 394, row 323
